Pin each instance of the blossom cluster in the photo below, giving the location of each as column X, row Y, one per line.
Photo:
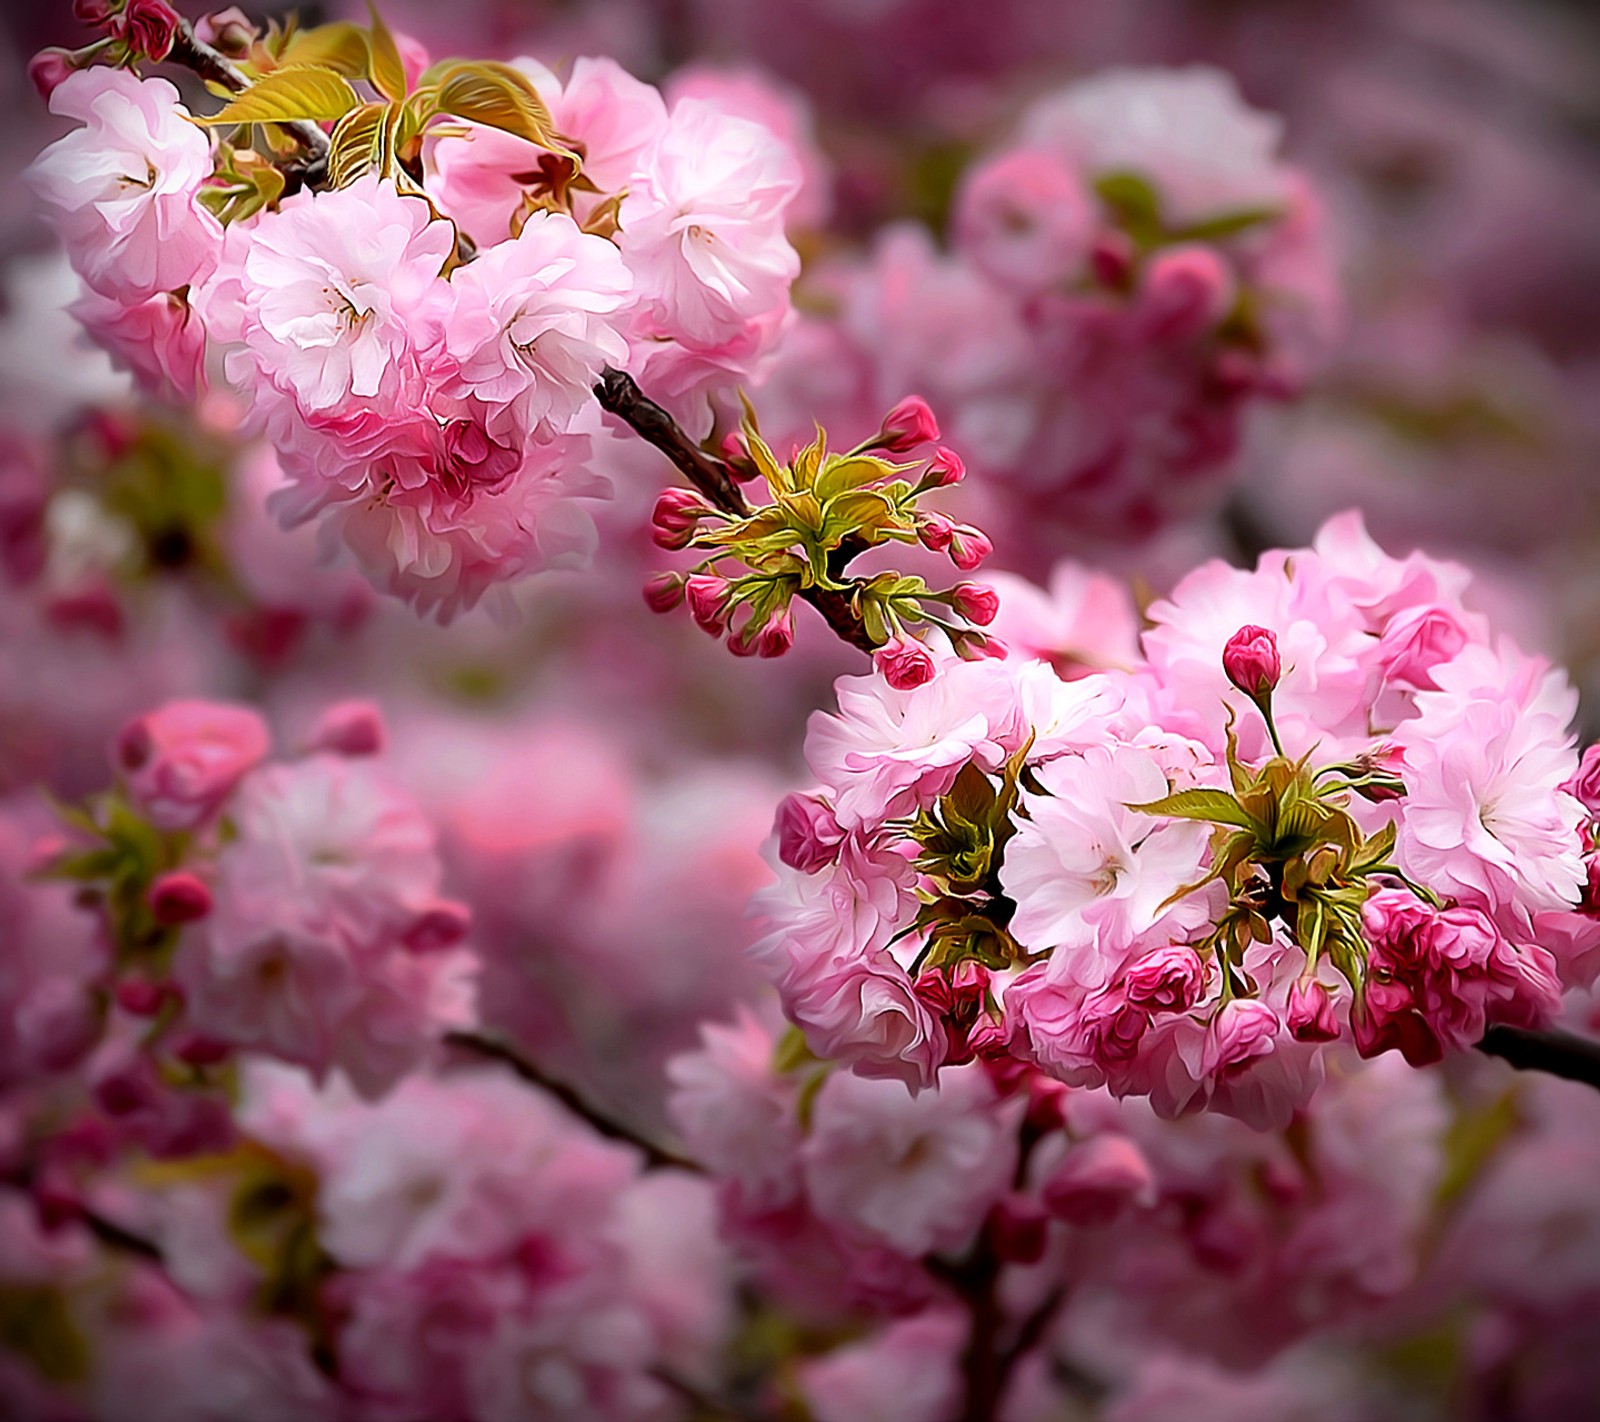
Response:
column 286, row 907
column 1126, row 278
column 434, row 411
column 1326, row 804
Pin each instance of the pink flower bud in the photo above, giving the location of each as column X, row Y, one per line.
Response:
column 140, row 996
column 944, row 469
column 736, row 455
column 1309, row 1014
column 677, row 514
column 1099, row 1179
column 975, row 602
column 935, row 531
column 1251, row 660
column 908, row 425
column 663, row 591
column 48, row 68
column 968, row 547
column 182, row 761
column 808, row 834
column 229, row 30
column 1019, row 1230
column 776, row 635
column 1112, row 258
column 1186, row 291
column 349, row 728
column 91, row 12
column 198, row 1050
column 1585, row 785
column 710, row 602
column 179, row 897
column 904, row 663
column 439, row 926
column 148, row 27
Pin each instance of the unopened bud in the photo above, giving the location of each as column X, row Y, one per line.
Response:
column 179, row 897
column 349, row 728
column 944, row 469
column 439, row 926
column 904, row 663
column 140, row 997
column 969, row 547
column 229, row 30
column 975, row 602
column 710, row 602
column 934, row 532
column 776, row 635
column 48, row 68
column 1310, row 1012
column 677, row 514
column 909, row 424
column 1251, row 661
column 663, row 591
column 148, row 28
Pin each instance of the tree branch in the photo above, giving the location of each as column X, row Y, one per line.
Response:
column 193, row 53
column 114, row 1236
column 656, row 1157
column 1562, row 1054
column 619, row 394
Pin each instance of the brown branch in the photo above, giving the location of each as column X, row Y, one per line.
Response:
column 1562, row 1054
column 114, row 1236
column 656, row 1157
column 619, row 394
column 193, row 53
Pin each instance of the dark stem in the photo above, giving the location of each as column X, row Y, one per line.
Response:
column 656, row 1157
column 619, row 394
column 114, row 1236
column 215, row 68
column 707, row 1405
column 1560, row 1053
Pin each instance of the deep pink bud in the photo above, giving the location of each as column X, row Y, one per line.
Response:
column 1019, row 1230
column 1585, row 785
column 710, row 602
column 1112, row 258
column 904, row 663
column 1098, row 1179
column 441, row 925
column 229, row 30
column 349, row 728
column 1309, row 1014
column 677, row 514
column 1242, row 1030
column 48, row 68
column 808, row 834
column 944, row 469
column 975, row 602
column 148, row 27
column 663, row 591
column 91, row 12
column 140, row 996
column 935, row 531
column 1251, row 660
column 179, row 897
column 1185, row 292
column 968, row 547
column 776, row 635
column 908, row 425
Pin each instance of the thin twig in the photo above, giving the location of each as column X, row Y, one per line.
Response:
column 656, row 1156
column 192, row 52
column 114, row 1236
column 707, row 1404
column 1562, row 1054
column 618, row 393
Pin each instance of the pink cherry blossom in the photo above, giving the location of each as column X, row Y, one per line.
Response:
column 183, row 761
column 121, row 191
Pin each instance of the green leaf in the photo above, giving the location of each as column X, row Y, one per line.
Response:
column 341, row 47
column 286, row 94
column 1215, row 229
column 356, row 147
column 841, row 472
column 500, row 97
column 388, row 69
column 1218, row 806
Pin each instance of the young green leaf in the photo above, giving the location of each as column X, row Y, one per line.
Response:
column 288, row 94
